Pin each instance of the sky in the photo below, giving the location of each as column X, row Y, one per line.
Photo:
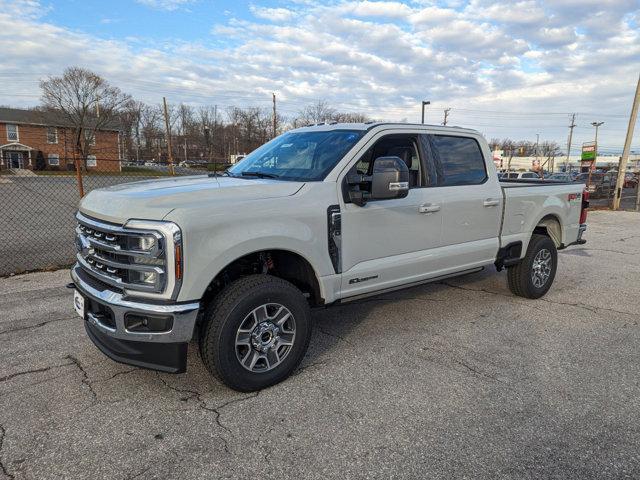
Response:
column 508, row 69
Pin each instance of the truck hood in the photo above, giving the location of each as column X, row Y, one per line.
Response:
column 154, row 199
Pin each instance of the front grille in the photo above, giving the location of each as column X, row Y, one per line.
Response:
column 123, row 258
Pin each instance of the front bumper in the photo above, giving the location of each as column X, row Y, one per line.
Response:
column 105, row 324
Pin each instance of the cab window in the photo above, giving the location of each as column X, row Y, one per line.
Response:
column 459, row 160
column 403, row 146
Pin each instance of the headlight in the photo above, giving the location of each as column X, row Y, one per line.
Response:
column 143, row 257
column 147, row 243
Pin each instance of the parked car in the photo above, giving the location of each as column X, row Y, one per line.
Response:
column 560, row 177
column 318, row 216
column 520, row 175
column 630, row 180
column 600, row 185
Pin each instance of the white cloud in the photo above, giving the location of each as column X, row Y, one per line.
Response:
column 379, row 9
column 381, row 58
column 272, row 14
column 167, row 5
column 24, row 8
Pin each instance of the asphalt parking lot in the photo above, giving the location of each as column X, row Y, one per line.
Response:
column 451, row 380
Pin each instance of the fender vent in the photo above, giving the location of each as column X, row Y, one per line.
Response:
column 334, row 231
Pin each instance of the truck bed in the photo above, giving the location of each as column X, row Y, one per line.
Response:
column 528, row 202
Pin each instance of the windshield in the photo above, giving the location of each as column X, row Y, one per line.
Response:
column 302, row 156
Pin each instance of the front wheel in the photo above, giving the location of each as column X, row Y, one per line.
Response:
column 533, row 276
column 256, row 332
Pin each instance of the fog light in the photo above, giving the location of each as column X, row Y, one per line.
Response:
column 137, row 322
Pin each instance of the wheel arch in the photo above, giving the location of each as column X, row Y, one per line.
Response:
column 550, row 226
column 282, row 263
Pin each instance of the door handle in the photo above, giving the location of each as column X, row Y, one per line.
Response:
column 428, row 208
column 490, row 202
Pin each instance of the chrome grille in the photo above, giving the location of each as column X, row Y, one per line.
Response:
column 133, row 260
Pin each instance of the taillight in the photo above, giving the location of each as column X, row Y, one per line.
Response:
column 585, row 206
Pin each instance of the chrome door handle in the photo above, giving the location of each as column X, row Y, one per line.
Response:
column 489, row 202
column 428, row 208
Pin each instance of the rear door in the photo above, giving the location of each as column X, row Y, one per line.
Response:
column 471, row 197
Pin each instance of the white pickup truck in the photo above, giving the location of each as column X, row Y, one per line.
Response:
column 322, row 214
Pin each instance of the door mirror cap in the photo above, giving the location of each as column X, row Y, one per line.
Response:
column 390, row 178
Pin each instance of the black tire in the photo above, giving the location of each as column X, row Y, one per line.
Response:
column 228, row 312
column 520, row 276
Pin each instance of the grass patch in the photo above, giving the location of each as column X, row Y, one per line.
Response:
column 143, row 171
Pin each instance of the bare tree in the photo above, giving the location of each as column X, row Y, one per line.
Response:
column 350, row 117
column 322, row 112
column 494, row 144
column 314, row 113
column 86, row 101
column 550, row 150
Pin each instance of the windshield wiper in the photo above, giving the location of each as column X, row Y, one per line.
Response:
column 259, row 174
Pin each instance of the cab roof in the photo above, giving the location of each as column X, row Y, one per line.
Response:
column 328, row 126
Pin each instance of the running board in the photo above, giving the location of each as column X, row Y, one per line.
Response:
column 409, row 285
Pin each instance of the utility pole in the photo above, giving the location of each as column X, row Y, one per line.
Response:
column 213, row 134
column 206, row 143
column 168, row 131
column 424, row 104
column 274, row 116
column 571, row 127
column 446, row 115
column 597, row 125
column 595, row 158
column 622, row 167
column 185, row 150
column 537, row 144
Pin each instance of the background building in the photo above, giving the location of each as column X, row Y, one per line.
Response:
column 44, row 140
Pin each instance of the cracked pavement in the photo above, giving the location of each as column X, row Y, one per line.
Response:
column 451, row 380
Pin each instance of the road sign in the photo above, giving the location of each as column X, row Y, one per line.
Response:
column 588, row 152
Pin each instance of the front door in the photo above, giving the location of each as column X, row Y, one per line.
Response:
column 386, row 243
column 15, row 159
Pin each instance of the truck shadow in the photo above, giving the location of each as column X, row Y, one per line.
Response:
column 338, row 324
column 341, row 327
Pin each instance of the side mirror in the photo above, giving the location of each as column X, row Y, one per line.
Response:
column 390, row 178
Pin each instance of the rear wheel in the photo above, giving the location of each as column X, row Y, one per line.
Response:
column 256, row 333
column 533, row 276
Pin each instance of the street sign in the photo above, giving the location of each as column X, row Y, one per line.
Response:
column 588, row 152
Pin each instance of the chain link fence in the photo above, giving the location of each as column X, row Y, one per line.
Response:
column 37, row 217
column 603, row 187
column 40, row 195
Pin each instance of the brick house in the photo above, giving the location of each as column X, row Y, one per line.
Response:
column 26, row 133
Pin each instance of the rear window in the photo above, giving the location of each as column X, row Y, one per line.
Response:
column 459, row 159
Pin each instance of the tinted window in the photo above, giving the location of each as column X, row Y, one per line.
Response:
column 460, row 160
